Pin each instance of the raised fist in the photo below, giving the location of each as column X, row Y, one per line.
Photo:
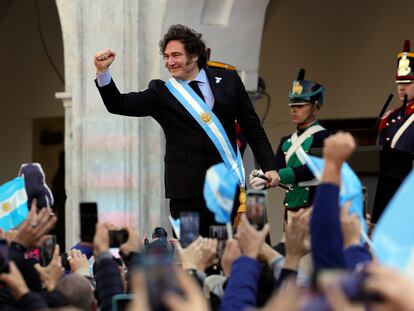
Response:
column 103, row 59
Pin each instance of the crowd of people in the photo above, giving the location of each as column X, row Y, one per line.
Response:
column 320, row 264
column 324, row 266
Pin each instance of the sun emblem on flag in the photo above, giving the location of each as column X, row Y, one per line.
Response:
column 5, row 207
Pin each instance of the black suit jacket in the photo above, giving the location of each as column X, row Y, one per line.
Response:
column 189, row 152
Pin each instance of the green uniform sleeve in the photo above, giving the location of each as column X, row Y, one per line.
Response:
column 287, row 176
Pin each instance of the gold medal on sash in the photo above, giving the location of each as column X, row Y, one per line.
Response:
column 205, row 117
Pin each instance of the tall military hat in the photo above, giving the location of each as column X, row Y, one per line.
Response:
column 304, row 92
column 405, row 73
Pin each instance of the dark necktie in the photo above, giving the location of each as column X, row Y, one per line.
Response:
column 194, row 85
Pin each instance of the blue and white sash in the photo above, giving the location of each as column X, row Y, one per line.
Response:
column 210, row 124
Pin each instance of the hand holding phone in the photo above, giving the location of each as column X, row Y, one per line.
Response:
column 117, row 237
column 256, row 202
column 46, row 251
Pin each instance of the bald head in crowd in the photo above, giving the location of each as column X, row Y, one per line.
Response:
column 78, row 292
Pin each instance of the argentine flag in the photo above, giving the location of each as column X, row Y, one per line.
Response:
column 393, row 236
column 219, row 191
column 350, row 188
column 13, row 204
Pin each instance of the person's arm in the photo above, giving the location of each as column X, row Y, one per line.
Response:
column 108, row 279
column 31, row 234
column 291, row 175
column 326, row 234
column 252, row 129
column 241, row 289
column 297, row 244
column 136, row 104
column 354, row 252
column 26, row 300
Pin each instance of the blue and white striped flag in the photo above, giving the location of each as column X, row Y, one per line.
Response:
column 219, row 191
column 13, row 204
column 350, row 190
column 393, row 236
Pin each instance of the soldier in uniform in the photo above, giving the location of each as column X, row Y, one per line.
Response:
column 305, row 99
column 397, row 127
column 396, row 135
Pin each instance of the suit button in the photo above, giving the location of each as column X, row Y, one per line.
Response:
column 387, row 139
column 399, row 118
column 393, row 120
column 307, row 188
column 387, row 124
column 286, row 204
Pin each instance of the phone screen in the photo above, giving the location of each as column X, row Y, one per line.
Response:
column 88, row 212
column 189, row 227
column 256, row 207
column 46, row 251
column 219, row 233
column 117, row 237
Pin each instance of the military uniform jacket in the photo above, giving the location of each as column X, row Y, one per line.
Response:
column 294, row 171
column 189, row 152
column 398, row 123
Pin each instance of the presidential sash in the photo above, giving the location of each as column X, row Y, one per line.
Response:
column 211, row 125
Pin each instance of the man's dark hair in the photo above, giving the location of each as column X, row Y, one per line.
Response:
column 193, row 44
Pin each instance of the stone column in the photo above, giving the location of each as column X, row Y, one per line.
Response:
column 116, row 161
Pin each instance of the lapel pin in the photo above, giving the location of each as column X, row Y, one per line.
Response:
column 218, row 80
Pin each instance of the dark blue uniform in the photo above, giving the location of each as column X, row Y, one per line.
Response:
column 391, row 123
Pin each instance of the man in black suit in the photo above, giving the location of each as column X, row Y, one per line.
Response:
column 189, row 151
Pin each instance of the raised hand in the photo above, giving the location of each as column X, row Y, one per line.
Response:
column 32, row 232
column 250, row 240
column 256, row 182
column 51, row 274
column 275, row 178
column 103, row 59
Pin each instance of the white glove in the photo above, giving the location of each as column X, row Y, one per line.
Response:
column 256, row 182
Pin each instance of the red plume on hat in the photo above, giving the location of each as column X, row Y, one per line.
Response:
column 405, row 65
